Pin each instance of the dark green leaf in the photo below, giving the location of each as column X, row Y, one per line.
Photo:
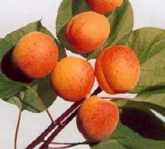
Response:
column 4, row 48
column 9, row 88
column 24, row 96
column 156, row 96
column 63, row 16
column 45, row 91
column 121, row 23
column 125, row 138
column 140, row 117
column 31, row 101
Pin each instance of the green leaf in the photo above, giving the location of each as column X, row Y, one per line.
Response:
column 156, row 96
column 11, row 90
column 45, row 91
column 15, row 101
column 140, row 117
column 31, row 101
column 149, row 44
column 121, row 21
column 15, row 36
column 63, row 16
column 5, row 46
column 25, row 96
column 125, row 138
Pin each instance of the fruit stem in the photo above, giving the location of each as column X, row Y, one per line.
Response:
column 49, row 115
column 47, row 111
column 57, row 122
column 17, row 128
column 58, row 130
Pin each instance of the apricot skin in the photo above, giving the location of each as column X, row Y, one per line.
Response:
column 36, row 54
column 97, row 118
column 104, row 6
column 117, row 69
column 72, row 78
column 87, row 31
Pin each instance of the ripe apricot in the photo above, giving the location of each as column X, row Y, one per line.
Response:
column 72, row 78
column 87, row 31
column 104, row 6
column 117, row 69
column 97, row 118
column 35, row 54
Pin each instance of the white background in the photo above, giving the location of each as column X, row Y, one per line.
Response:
column 16, row 13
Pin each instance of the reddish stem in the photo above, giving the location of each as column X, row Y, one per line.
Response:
column 40, row 138
column 59, row 122
column 58, row 130
column 17, row 129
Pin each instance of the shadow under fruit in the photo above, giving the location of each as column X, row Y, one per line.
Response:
column 12, row 71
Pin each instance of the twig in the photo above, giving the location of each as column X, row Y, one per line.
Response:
column 58, row 130
column 17, row 129
column 49, row 115
column 40, row 138
column 97, row 91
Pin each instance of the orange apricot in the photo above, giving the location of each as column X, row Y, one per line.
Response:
column 117, row 69
column 104, row 6
column 87, row 31
column 72, row 78
column 97, row 118
column 35, row 54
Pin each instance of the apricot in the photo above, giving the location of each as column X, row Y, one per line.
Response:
column 87, row 31
column 35, row 54
column 97, row 118
column 117, row 69
column 104, row 6
column 72, row 78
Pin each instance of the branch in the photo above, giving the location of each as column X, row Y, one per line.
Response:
column 58, row 130
column 40, row 138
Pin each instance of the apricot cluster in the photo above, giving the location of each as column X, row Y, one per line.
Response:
column 117, row 68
